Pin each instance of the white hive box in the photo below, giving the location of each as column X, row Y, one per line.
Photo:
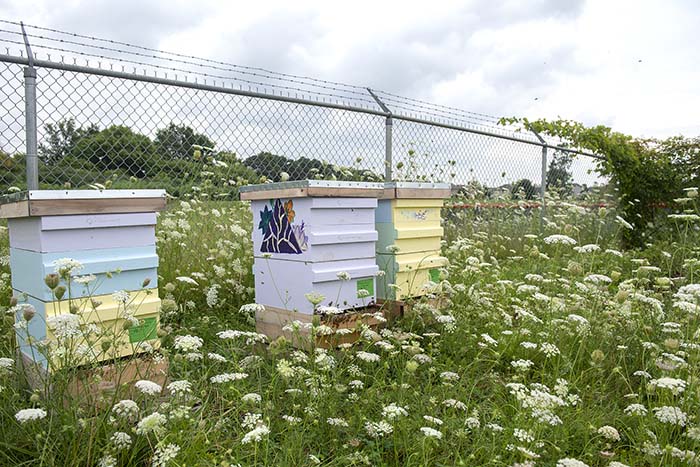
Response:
column 304, row 234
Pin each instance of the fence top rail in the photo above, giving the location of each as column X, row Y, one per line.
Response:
column 60, row 65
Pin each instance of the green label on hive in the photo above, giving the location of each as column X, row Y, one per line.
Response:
column 144, row 332
column 434, row 275
column 365, row 284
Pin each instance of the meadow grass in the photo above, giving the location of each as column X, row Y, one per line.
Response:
column 553, row 348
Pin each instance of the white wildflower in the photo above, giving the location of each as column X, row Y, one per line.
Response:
column 164, row 454
column 251, row 398
column 431, row 432
column 154, row 423
column 148, row 387
column 187, row 343
column 120, row 440
column 671, row 415
column 367, row 356
column 635, row 409
column 28, row 415
column 186, row 280
column 393, row 411
column 609, row 432
column 256, row 434
column 559, row 240
column 180, row 387
column 227, row 377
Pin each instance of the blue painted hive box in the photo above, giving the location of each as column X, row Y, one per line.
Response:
column 314, row 237
column 85, row 262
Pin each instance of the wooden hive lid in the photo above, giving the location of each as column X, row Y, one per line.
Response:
column 311, row 189
column 66, row 202
column 416, row 190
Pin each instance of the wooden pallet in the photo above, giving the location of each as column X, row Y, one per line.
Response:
column 96, row 386
column 406, row 307
column 272, row 322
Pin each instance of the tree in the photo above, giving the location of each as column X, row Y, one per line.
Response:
column 559, row 174
column 268, row 165
column 523, row 189
column 61, row 139
column 119, row 148
column 177, row 141
column 648, row 173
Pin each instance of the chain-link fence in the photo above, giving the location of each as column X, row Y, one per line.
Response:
column 119, row 115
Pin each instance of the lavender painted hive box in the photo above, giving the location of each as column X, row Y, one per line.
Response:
column 111, row 234
column 310, row 237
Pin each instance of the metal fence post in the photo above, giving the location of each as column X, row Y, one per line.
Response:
column 543, row 187
column 389, row 135
column 30, row 117
column 543, row 179
column 388, row 155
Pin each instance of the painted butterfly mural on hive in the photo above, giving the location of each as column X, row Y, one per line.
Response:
column 279, row 232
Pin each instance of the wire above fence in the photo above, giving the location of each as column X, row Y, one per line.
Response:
column 98, row 97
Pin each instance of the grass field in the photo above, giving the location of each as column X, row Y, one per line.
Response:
column 555, row 348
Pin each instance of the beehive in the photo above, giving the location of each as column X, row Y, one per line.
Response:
column 305, row 235
column 111, row 233
column 408, row 248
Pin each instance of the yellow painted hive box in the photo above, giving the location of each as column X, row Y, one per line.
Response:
column 88, row 330
column 408, row 222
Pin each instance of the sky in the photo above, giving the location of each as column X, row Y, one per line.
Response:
column 631, row 65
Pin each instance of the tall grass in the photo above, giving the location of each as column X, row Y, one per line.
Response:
column 546, row 353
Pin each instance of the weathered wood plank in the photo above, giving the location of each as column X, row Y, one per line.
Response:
column 12, row 210
column 93, row 194
column 420, row 193
column 344, row 192
column 50, row 207
column 312, row 191
column 272, row 194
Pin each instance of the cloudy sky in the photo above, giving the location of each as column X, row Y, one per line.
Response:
column 632, row 65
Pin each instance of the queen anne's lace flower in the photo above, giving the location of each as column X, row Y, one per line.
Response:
column 608, row 432
column 393, row 411
column 671, row 415
column 569, row 462
column 635, row 409
column 126, row 409
column 367, row 356
column 256, row 434
column 431, row 432
column 340, row 422
column 180, row 387
column 251, row 398
column 188, row 343
column 148, row 387
column 120, row 440
column 28, row 415
column 6, row 363
column 64, row 326
column 228, row 377
column 154, row 423
column 559, row 240
column 67, row 267
column 378, row 429
column 674, row 385
column 121, row 296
